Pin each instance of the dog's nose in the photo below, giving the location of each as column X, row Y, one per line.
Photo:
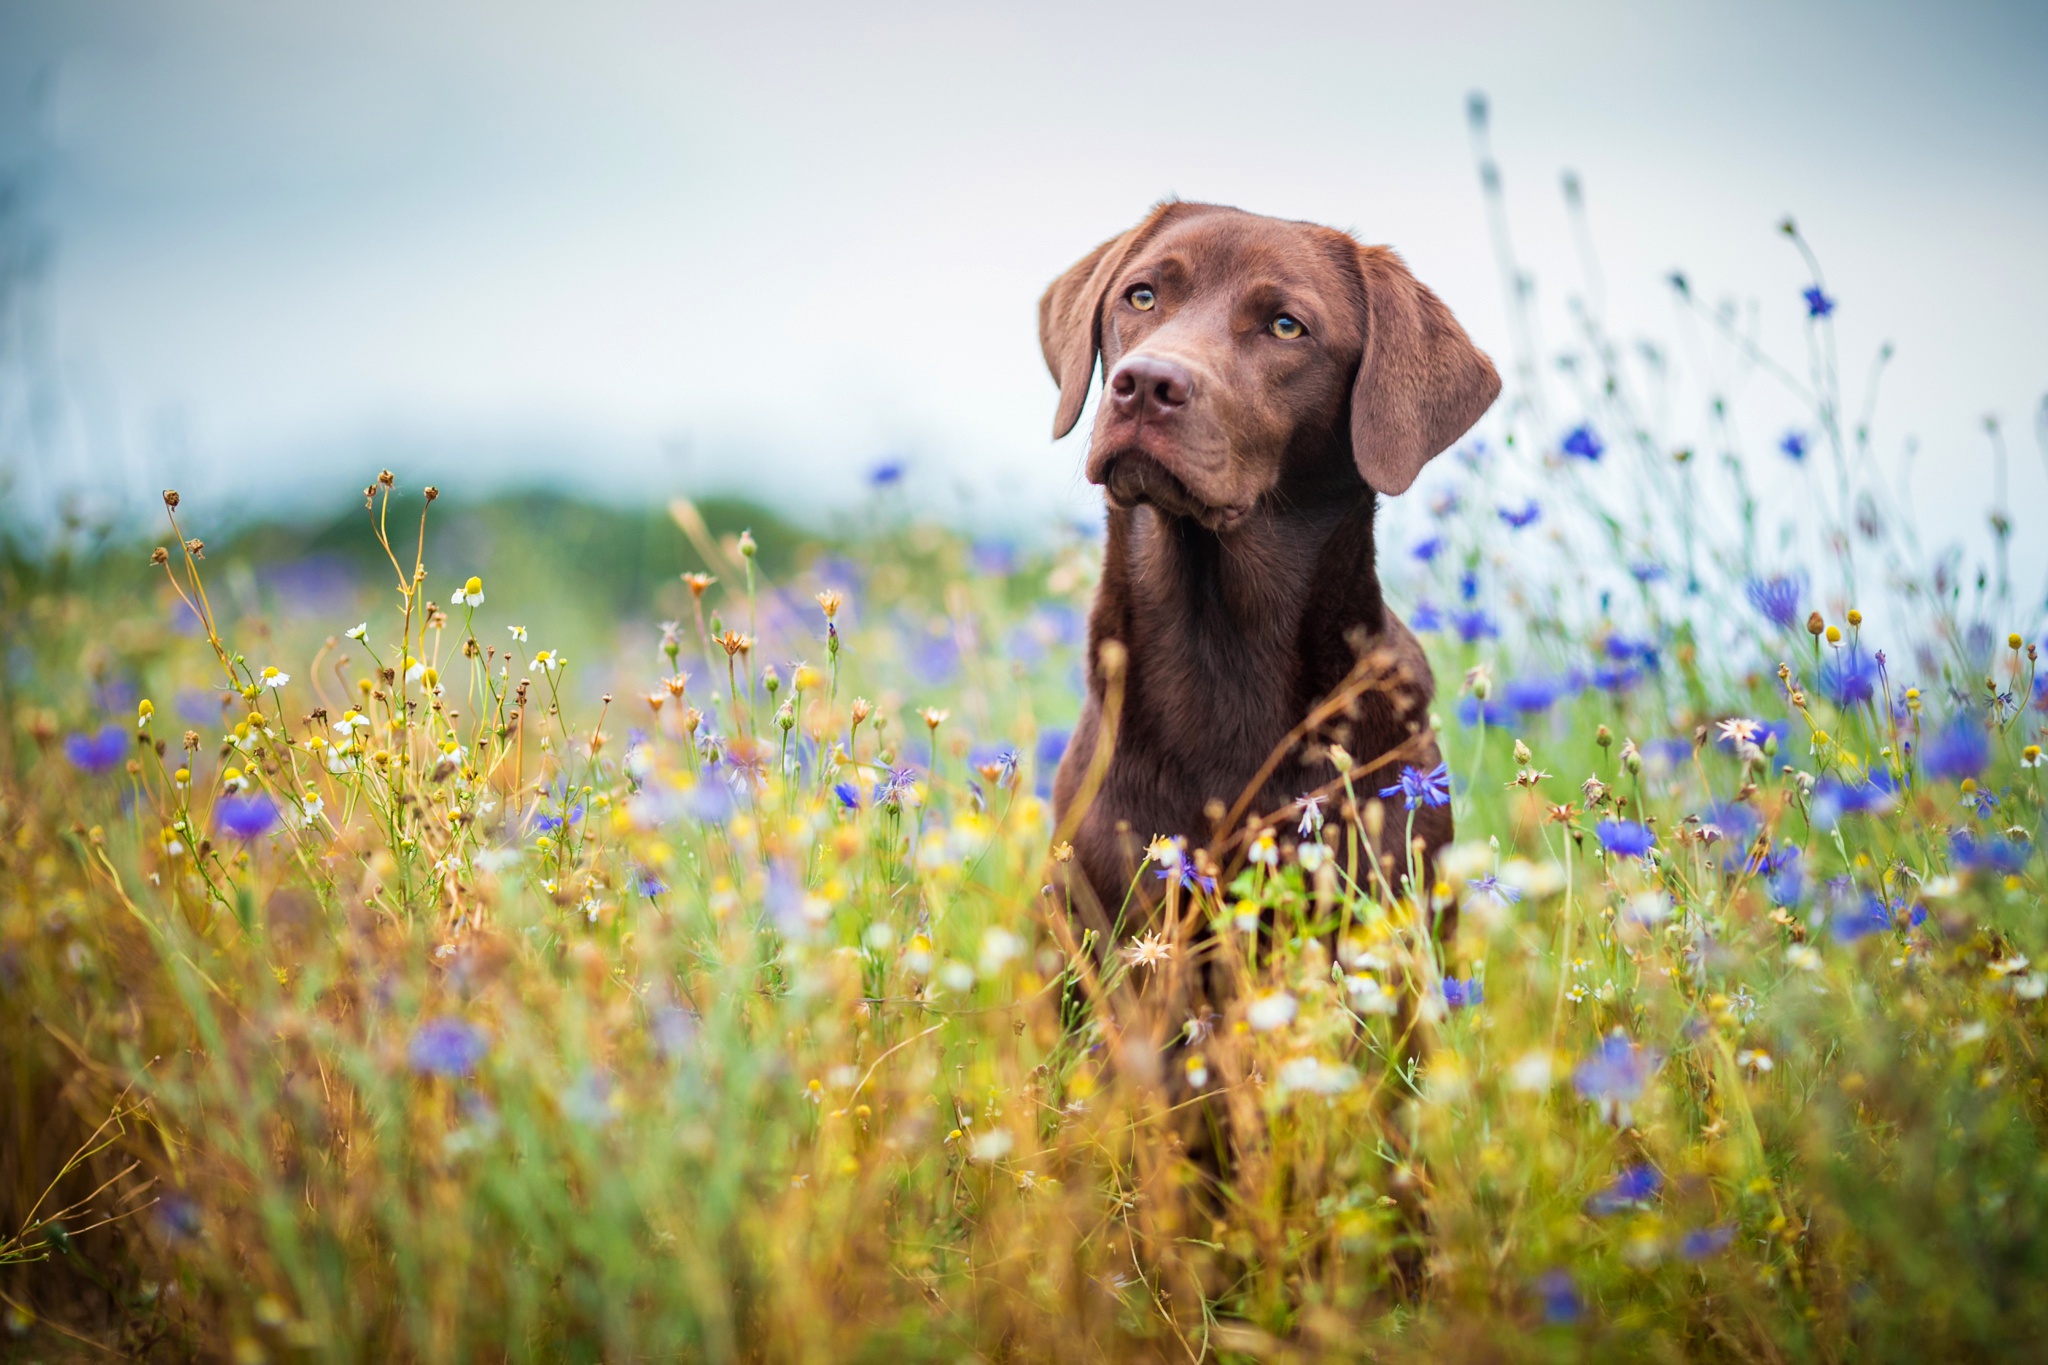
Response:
column 1150, row 386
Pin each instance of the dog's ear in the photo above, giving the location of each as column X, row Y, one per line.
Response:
column 1421, row 382
column 1070, row 318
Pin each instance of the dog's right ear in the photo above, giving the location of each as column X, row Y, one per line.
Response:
column 1070, row 318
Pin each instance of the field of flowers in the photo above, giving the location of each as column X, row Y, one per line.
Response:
column 429, row 963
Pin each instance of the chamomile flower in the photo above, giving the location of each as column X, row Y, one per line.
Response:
column 234, row 780
column 1264, row 850
column 272, row 678
column 470, row 594
column 415, row 669
column 312, row 810
column 547, row 661
column 518, row 632
column 351, row 721
column 359, row 631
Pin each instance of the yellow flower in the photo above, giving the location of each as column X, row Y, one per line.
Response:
column 470, row 594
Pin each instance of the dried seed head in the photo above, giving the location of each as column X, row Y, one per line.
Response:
column 170, row 497
column 159, row 556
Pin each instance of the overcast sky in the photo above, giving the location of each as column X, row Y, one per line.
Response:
column 645, row 247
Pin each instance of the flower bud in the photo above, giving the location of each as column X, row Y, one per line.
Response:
column 1814, row 625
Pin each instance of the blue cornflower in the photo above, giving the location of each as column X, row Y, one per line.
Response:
column 1532, row 696
column 1980, row 801
column 1644, row 571
column 1468, row 586
column 1625, row 838
column 1419, row 788
column 1614, row 1076
column 446, row 1047
column 1957, row 751
column 1501, row 892
column 1635, row 1185
column 1425, row 619
column 848, row 794
column 1777, row 599
column 900, row 782
column 1858, row 917
column 1701, row 1243
column 1311, row 816
column 1560, row 1295
column 1527, row 515
column 1848, row 678
column 1474, row 626
column 1793, row 443
column 1584, row 442
column 97, row 752
column 1184, row 872
column 1429, row 549
column 1470, row 709
column 1052, row 746
column 886, row 474
column 649, row 884
column 1993, row 853
column 1464, row 994
column 246, row 815
column 1818, row 304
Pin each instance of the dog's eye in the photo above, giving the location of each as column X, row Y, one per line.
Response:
column 1142, row 298
column 1286, row 328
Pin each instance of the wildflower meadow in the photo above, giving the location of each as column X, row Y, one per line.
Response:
column 435, row 963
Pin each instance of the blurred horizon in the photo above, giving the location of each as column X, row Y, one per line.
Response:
column 642, row 250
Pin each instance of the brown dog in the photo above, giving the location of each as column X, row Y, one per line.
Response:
column 1265, row 381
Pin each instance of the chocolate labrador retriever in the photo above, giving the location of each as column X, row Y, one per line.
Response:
column 1265, row 381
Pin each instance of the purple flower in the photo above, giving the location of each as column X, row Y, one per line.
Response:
column 1793, row 443
column 1429, row 549
column 1635, row 1185
column 1625, row 838
column 1856, row 917
column 1532, row 696
column 1425, row 619
column 1560, row 1295
column 1818, row 304
column 891, row 790
column 446, row 1047
column 848, row 794
column 1701, row 1243
column 886, row 474
column 1474, row 626
column 1776, row 598
column 178, row 1217
column 1957, row 751
column 99, row 751
column 1501, row 892
column 1460, row 995
column 1527, row 515
column 1583, row 442
column 1184, row 872
column 995, row 558
column 1848, row 678
column 246, row 815
column 1052, row 746
column 1419, row 788
column 1991, row 853
column 650, row 885
column 1615, row 1075
column 1645, row 571
column 1470, row 709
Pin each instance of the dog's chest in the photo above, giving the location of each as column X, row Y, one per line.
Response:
column 1215, row 652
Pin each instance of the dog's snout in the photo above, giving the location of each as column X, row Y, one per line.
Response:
column 1150, row 386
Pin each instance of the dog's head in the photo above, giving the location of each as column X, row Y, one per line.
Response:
column 1240, row 351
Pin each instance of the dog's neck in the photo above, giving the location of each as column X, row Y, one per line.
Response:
column 1229, row 624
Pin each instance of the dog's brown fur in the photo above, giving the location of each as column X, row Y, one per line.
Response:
column 1241, row 469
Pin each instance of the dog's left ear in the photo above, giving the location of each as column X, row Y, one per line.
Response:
column 1070, row 316
column 1421, row 382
